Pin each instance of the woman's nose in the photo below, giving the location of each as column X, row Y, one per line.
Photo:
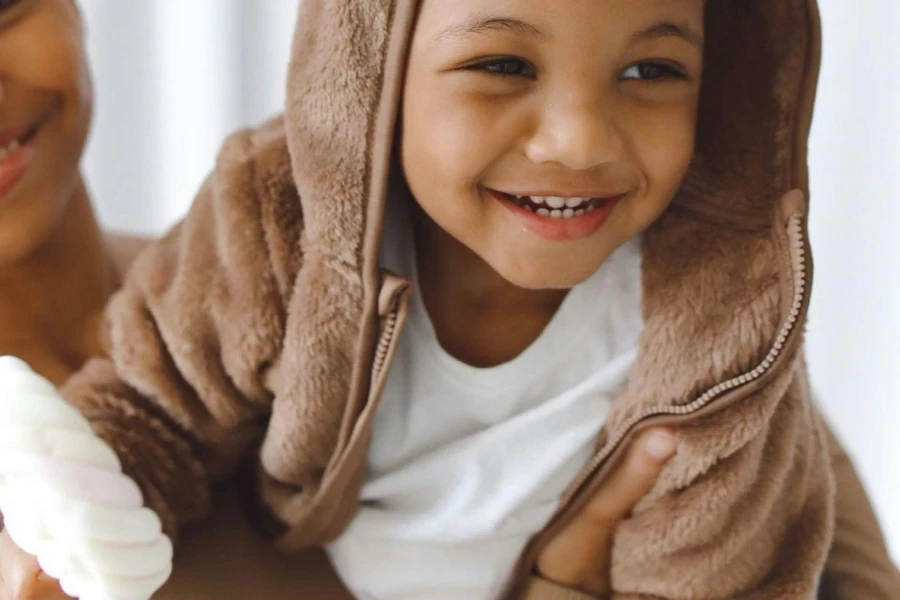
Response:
column 579, row 135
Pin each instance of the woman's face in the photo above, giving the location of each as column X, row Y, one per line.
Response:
column 543, row 134
column 45, row 113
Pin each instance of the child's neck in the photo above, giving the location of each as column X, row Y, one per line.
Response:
column 479, row 317
column 51, row 301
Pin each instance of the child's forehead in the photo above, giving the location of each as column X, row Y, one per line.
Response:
column 554, row 19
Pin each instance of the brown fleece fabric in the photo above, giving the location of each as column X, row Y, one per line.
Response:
column 250, row 329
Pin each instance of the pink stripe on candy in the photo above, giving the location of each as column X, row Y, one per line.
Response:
column 78, row 480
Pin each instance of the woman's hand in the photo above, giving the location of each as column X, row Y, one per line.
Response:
column 579, row 556
column 21, row 577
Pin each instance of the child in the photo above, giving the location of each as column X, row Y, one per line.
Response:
column 568, row 258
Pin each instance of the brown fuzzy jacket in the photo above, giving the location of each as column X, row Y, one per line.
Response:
column 262, row 327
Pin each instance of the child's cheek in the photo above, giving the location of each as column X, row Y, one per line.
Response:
column 465, row 134
column 662, row 139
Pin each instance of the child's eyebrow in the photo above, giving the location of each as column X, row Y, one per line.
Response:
column 670, row 29
column 483, row 23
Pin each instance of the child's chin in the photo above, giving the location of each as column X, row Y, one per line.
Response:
column 546, row 277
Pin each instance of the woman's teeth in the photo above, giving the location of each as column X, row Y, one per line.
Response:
column 558, row 208
column 8, row 149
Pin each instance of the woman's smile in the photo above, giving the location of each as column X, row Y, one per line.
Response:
column 16, row 152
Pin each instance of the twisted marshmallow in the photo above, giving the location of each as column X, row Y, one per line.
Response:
column 66, row 501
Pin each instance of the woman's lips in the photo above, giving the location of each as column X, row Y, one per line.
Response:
column 562, row 223
column 16, row 151
column 12, row 135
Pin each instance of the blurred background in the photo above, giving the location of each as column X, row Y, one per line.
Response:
column 174, row 77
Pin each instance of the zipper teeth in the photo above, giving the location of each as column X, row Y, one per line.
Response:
column 798, row 259
column 383, row 343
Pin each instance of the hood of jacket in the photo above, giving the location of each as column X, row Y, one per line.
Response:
column 716, row 288
column 726, row 277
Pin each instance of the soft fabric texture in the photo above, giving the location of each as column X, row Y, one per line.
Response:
column 466, row 464
column 262, row 328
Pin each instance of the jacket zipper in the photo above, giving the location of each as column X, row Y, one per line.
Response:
column 798, row 261
column 391, row 322
column 384, row 343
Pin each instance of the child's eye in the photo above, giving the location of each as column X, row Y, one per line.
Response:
column 506, row 67
column 4, row 4
column 652, row 71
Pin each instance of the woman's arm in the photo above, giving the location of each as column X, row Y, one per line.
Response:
column 858, row 564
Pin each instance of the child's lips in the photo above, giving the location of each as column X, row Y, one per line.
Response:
column 559, row 223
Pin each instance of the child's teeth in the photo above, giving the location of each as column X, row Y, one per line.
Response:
column 555, row 202
column 555, row 207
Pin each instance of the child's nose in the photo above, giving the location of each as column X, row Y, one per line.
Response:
column 577, row 135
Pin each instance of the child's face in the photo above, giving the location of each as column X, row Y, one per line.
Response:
column 572, row 99
column 45, row 110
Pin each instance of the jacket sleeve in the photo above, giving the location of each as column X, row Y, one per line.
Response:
column 859, row 565
column 193, row 332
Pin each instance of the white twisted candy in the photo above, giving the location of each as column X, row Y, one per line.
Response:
column 66, row 501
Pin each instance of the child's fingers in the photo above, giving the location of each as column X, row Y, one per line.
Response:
column 579, row 555
column 633, row 478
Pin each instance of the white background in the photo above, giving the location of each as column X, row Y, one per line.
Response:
column 173, row 77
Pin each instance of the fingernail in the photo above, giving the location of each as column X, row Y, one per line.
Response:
column 660, row 444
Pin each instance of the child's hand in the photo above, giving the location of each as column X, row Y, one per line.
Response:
column 21, row 577
column 579, row 556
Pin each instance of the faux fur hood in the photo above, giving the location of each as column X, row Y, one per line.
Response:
column 712, row 254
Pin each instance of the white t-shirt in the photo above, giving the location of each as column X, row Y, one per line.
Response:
column 466, row 464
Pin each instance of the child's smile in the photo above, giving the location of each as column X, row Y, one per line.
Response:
column 558, row 216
